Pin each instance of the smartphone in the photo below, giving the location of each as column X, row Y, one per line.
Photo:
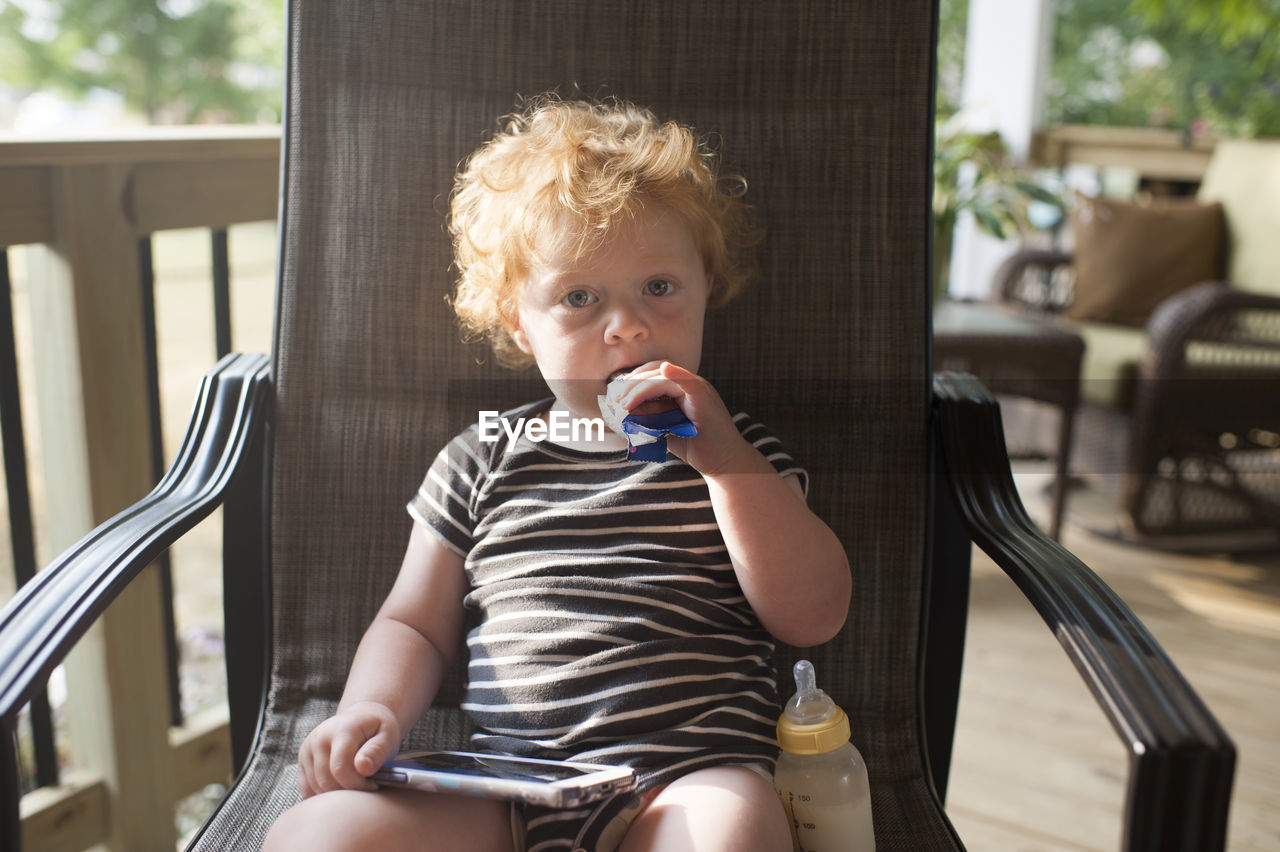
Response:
column 551, row 783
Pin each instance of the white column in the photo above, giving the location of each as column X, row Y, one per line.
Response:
column 1007, row 49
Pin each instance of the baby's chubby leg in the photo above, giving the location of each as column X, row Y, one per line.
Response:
column 720, row 809
column 392, row 820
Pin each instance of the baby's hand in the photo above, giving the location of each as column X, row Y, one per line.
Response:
column 345, row 749
column 667, row 385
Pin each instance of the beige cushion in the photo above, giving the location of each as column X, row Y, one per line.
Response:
column 1131, row 257
column 1244, row 176
column 1109, row 367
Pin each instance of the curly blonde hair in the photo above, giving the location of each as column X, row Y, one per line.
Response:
column 557, row 177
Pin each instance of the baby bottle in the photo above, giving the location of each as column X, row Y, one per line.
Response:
column 821, row 776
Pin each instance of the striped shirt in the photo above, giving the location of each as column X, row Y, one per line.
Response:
column 606, row 621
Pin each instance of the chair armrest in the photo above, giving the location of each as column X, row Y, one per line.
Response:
column 1181, row 761
column 46, row 617
column 1212, row 312
column 1010, row 286
column 1210, row 370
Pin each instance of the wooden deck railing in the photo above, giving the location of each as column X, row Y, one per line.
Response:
column 82, row 206
column 1151, row 152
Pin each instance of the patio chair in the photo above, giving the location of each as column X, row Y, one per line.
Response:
column 1180, row 411
column 827, row 108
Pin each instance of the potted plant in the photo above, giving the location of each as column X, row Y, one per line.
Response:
column 975, row 172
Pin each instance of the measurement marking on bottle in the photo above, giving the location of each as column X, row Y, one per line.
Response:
column 791, row 815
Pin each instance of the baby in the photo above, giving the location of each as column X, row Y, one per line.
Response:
column 621, row 611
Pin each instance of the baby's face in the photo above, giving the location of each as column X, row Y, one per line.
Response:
column 640, row 297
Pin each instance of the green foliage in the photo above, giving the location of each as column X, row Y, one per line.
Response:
column 1247, row 25
column 174, row 61
column 1202, row 65
column 953, row 18
column 976, row 172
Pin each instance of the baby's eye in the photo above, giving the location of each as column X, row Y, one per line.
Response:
column 579, row 298
column 659, row 287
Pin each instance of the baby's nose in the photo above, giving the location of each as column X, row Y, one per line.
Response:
column 626, row 323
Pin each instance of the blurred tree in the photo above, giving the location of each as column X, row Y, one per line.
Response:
column 1246, row 25
column 173, row 61
column 953, row 19
column 1197, row 65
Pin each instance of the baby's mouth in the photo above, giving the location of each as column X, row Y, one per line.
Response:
column 622, row 373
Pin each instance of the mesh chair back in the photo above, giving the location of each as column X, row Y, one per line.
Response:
column 824, row 107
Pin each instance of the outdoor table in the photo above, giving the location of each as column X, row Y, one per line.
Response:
column 1016, row 355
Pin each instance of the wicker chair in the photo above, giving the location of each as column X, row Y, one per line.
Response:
column 827, row 109
column 1182, row 419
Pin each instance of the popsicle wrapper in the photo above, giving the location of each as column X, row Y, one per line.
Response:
column 646, row 434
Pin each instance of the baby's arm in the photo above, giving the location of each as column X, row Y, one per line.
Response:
column 396, row 671
column 790, row 564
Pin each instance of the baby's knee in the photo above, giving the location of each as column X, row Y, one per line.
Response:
column 721, row 808
column 756, row 810
column 391, row 820
column 338, row 820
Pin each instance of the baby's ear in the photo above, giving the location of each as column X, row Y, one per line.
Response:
column 509, row 316
column 713, row 289
column 521, row 339
column 517, row 334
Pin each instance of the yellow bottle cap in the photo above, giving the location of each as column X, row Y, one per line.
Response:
column 830, row 733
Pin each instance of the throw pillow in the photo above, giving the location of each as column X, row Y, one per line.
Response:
column 1131, row 257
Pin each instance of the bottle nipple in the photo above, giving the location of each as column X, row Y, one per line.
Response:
column 811, row 723
column 809, row 705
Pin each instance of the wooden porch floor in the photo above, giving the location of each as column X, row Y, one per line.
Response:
column 1037, row 768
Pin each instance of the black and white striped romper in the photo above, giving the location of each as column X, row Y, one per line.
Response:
column 606, row 622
